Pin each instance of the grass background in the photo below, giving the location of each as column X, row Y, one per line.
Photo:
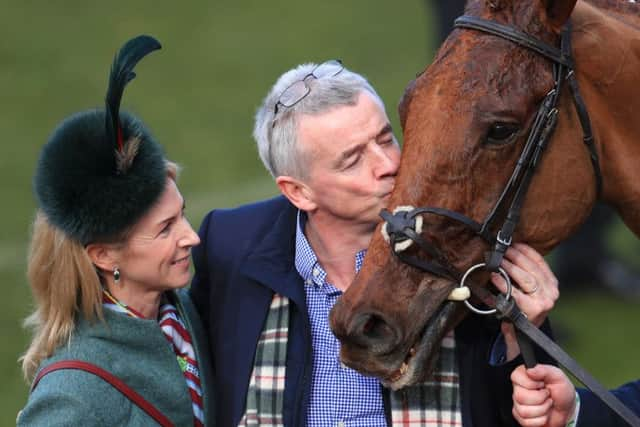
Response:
column 199, row 95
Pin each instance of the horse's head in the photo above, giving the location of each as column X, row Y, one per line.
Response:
column 466, row 120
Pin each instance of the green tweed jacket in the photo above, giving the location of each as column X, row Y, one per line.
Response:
column 137, row 352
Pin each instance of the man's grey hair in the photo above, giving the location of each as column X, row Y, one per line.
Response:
column 276, row 134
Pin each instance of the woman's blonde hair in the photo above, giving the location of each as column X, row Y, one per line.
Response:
column 65, row 284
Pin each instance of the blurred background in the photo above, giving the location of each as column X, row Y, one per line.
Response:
column 199, row 95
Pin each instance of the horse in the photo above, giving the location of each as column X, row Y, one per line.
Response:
column 466, row 121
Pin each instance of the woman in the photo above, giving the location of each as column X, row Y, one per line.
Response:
column 115, row 342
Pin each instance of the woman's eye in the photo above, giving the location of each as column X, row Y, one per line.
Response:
column 502, row 133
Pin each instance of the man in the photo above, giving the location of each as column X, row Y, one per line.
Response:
column 267, row 274
column 544, row 396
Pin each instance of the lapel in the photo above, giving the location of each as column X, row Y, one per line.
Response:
column 269, row 268
column 272, row 262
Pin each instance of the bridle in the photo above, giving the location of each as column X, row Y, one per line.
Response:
column 403, row 225
column 400, row 225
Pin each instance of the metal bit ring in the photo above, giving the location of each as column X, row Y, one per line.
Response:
column 504, row 275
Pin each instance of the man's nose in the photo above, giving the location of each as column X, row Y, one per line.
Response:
column 388, row 161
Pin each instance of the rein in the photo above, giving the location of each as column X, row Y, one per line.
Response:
column 403, row 226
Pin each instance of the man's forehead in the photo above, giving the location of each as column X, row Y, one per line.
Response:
column 345, row 123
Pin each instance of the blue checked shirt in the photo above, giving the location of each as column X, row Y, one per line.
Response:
column 340, row 396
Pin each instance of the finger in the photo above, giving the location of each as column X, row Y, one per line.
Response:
column 528, row 422
column 529, row 252
column 525, row 280
column 499, row 282
column 522, row 258
column 547, row 374
column 507, row 329
column 537, row 258
column 521, row 377
column 531, row 398
column 535, row 411
column 510, row 341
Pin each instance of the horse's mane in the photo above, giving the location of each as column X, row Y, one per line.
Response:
column 621, row 10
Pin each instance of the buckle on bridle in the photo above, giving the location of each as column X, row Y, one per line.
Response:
column 395, row 224
column 502, row 241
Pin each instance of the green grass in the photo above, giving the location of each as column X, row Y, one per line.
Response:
column 199, row 95
column 601, row 333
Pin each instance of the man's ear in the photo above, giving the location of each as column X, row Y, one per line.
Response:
column 102, row 255
column 298, row 193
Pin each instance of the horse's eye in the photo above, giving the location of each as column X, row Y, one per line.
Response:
column 502, row 133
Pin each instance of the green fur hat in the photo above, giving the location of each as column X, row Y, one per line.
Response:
column 101, row 170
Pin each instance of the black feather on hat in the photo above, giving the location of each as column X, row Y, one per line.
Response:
column 101, row 170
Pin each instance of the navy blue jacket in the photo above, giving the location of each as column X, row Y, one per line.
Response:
column 594, row 413
column 245, row 256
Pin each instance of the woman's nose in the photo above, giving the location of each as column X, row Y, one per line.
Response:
column 190, row 237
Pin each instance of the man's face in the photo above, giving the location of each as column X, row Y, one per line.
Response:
column 352, row 158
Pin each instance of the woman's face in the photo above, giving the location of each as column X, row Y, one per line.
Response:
column 156, row 257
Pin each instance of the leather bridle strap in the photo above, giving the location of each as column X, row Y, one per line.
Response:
column 513, row 34
column 587, row 133
column 541, row 130
column 510, row 310
column 560, row 56
column 402, row 226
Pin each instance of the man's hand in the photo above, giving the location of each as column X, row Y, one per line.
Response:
column 543, row 396
column 535, row 290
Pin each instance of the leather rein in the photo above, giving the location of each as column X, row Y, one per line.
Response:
column 403, row 226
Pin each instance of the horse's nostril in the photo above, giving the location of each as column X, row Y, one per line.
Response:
column 373, row 332
column 375, row 327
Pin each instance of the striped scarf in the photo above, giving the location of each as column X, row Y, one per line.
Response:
column 180, row 340
column 435, row 403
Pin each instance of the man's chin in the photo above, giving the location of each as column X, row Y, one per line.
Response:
column 384, row 201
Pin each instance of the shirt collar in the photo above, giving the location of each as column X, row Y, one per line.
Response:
column 306, row 260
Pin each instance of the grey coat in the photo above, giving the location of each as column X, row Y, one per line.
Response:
column 137, row 352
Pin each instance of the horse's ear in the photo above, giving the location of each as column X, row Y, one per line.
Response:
column 558, row 12
column 403, row 105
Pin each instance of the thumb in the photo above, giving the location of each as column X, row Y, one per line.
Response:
column 545, row 373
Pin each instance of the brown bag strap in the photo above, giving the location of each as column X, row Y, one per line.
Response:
column 116, row 382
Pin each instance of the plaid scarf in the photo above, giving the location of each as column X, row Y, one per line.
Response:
column 180, row 340
column 266, row 388
column 435, row 403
